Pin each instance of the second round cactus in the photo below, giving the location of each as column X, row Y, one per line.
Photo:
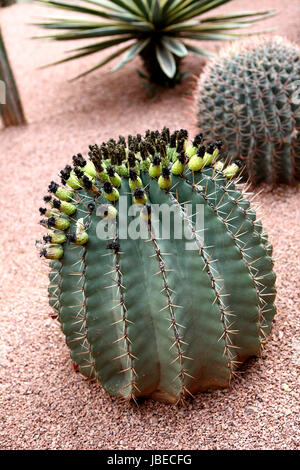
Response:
column 249, row 96
column 148, row 317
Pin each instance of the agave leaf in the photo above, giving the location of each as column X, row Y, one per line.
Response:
column 255, row 20
column 131, row 53
column 127, row 5
column 143, row 26
column 178, row 27
column 174, row 45
column 194, row 8
column 103, row 44
column 168, row 5
column 244, row 14
column 155, row 11
column 53, row 20
column 82, row 9
column 73, row 7
column 93, row 33
column 218, row 27
column 88, row 50
column 106, row 4
column 103, row 62
column 198, row 51
column 223, row 37
column 74, row 25
column 207, row 5
column 166, row 60
column 142, row 7
column 210, row 36
column 178, row 5
column 115, row 11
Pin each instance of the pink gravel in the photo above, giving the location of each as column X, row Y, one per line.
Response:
column 44, row 404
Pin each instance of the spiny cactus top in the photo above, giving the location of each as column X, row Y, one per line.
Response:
column 249, row 96
column 149, row 312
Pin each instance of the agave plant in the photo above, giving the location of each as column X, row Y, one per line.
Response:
column 159, row 31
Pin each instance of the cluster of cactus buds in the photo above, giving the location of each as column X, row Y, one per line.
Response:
column 149, row 317
column 160, row 154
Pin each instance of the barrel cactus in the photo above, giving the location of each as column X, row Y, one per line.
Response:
column 159, row 316
column 249, row 96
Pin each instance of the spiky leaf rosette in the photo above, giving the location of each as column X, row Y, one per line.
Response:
column 157, row 315
column 160, row 31
column 249, row 96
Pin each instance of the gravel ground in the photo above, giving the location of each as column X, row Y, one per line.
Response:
column 44, row 404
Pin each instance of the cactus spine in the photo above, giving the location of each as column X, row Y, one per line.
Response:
column 146, row 316
column 249, row 96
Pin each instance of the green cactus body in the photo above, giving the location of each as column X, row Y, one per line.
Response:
column 239, row 220
column 105, row 331
column 249, row 97
column 72, row 312
column 148, row 316
column 54, row 285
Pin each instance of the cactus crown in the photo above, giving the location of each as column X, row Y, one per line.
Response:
column 249, row 96
column 161, row 316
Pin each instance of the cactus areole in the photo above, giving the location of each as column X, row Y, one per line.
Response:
column 157, row 315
